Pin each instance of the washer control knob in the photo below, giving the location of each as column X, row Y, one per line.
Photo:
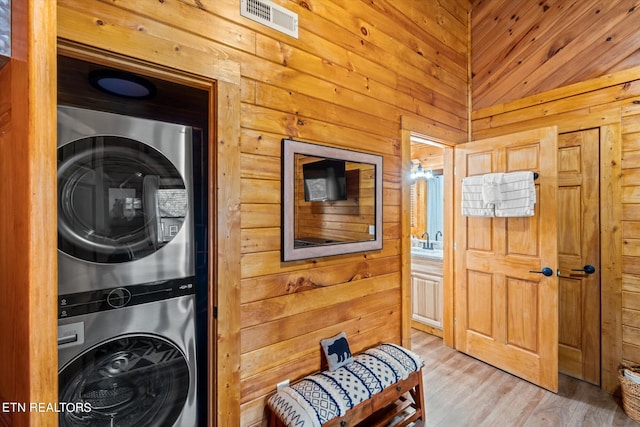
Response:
column 118, row 297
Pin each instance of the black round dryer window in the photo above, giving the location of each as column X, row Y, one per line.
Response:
column 137, row 381
column 118, row 199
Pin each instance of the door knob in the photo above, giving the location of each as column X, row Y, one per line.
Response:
column 546, row 271
column 587, row 269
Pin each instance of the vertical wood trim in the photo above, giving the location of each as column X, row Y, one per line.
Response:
column 28, row 230
column 405, row 240
column 460, row 239
column 469, row 74
column 448, row 262
column 611, row 253
column 225, row 255
column 43, row 217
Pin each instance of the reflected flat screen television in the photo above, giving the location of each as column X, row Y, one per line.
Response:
column 324, row 180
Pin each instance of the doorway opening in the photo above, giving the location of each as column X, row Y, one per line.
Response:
column 430, row 233
column 174, row 101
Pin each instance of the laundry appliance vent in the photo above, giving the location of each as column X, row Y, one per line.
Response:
column 272, row 15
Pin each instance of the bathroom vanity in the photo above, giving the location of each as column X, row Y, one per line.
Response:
column 426, row 289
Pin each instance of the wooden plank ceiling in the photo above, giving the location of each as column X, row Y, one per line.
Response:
column 522, row 47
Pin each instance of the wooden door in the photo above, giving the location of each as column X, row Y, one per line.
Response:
column 579, row 255
column 505, row 313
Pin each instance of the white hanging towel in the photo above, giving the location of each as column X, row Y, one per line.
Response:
column 472, row 201
column 491, row 188
column 518, row 195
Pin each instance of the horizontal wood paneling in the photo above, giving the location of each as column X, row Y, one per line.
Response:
column 264, row 358
column 357, row 67
column 384, row 327
column 631, row 235
column 289, row 305
column 263, row 287
column 264, row 334
column 522, row 48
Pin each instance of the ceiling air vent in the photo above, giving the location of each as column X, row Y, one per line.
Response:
column 271, row 15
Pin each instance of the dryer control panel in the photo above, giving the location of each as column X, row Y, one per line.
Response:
column 76, row 304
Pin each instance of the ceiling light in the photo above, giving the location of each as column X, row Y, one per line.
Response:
column 122, row 83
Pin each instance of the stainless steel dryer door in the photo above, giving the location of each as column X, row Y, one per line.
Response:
column 125, row 201
column 135, row 380
column 119, row 199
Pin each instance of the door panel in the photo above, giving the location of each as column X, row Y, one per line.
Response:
column 522, row 305
column 578, row 245
column 481, row 236
column 505, row 314
column 480, row 290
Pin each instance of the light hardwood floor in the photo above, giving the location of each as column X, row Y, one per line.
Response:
column 463, row 391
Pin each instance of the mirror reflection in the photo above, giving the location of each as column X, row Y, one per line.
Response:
column 332, row 201
column 427, row 200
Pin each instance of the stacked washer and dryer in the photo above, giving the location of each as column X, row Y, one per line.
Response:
column 126, row 304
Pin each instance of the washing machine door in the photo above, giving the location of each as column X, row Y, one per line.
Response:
column 119, row 199
column 137, row 381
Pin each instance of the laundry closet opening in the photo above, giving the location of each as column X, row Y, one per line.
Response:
column 133, row 246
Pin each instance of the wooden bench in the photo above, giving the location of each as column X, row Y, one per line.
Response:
column 331, row 399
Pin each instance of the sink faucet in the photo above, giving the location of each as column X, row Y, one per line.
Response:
column 440, row 233
column 426, row 245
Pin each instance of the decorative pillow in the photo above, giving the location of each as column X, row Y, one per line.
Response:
column 336, row 350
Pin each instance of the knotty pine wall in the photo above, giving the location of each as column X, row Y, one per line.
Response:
column 357, row 67
column 631, row 233
column 521, row 48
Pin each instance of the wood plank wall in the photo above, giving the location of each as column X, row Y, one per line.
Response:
column 631, row 234
column 356, row 69
column 521, row 47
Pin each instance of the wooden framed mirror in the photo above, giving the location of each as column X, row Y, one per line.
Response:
column 331, row 201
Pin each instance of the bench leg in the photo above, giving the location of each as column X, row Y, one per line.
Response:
column 418, row 397
column 274, row 420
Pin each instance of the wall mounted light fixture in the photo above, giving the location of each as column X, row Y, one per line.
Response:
column 420, row 173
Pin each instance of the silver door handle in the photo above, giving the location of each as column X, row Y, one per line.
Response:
column 67, row 339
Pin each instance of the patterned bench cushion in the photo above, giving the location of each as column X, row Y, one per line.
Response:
column 320, row 397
